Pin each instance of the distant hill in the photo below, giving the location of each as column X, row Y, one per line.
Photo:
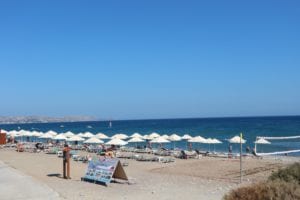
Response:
column 42, row 119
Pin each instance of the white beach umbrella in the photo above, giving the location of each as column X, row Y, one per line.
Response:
column 80, row 134
column 159, row 140
column 93, row 140
column 120, row 136
column 136, row 135
column 262, row 141
column 216, row 141
column 36, row 134
column 75, row 138
column 46, row 136
column 209, row 141
column 136, row 139
column 88, row 135
column 174, row 137
column 197, row 139
column 153, row 135
column 186, row 137
column 101, row 136
column 27, row 134
column 236, row 140
column 123, row 136
column 117, row 141
column 146, row 137
column 165, row 136
column 13, row 133
column 68, row 134
column 60, row 137
column 22, row 132
column 53, row 133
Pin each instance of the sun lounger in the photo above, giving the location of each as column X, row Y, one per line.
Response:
column 10, row 145
column 218, row 155
column 124, row 164
column 60, row 154
column 75, row 157
column 166, row 159
column 143, row 150
column 147, row 158
column 127, row 149
column 191, row 154
column 53, row 150
column 162, row 153
column 126, row 155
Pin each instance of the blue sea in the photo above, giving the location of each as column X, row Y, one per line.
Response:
column 220, row 128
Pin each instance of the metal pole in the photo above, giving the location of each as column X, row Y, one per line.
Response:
column 241, row 166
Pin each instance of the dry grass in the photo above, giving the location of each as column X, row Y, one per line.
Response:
column 289, row 174
column 271, row 190
column 282, row 185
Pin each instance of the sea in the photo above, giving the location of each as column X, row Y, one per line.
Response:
column 220, row 128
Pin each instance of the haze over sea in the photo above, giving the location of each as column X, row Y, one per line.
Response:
column 220, row 128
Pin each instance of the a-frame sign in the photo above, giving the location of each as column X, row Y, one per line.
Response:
column 104, row 170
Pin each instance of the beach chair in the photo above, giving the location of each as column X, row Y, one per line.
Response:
column 60, row 154
column 75, row 157
column 191, row 154
column 166, row 159
column 148, row 158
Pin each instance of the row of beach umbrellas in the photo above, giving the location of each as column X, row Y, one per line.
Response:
column 119, row 139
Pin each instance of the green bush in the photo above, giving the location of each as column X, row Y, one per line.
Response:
column 289, row 174
column 270, row 190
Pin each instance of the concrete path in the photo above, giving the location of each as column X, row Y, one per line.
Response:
column 16, row 185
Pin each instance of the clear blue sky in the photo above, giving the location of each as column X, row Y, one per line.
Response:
column 150, row 59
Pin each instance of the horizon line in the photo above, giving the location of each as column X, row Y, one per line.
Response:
column 148, row 119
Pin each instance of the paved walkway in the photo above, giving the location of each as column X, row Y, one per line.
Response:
column 15, row 185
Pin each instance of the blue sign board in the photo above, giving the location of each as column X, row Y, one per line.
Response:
column 103, row 170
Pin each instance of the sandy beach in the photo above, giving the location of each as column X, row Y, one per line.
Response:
column 204, row 178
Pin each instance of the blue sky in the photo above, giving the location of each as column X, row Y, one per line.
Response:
column 150, row 59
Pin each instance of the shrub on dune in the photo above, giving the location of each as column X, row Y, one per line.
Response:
column 271, row 190
column 281, row 185
column 289, row 174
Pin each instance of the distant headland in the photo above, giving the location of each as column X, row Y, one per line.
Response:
column 43, row 119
